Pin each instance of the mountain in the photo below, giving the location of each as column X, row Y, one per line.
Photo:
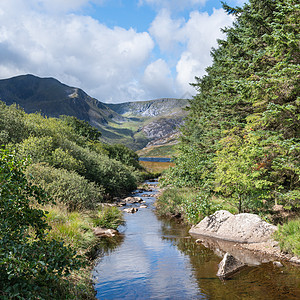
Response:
column 135, row 124
column 53, row 98
column 152, row 108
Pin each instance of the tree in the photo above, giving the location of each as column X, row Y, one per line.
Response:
column 243, row 125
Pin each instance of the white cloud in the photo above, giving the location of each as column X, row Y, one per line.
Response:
column 167, row 31
column 111, row 64
column 77, row 50
column 173, row 4
column 157, row 79
column 198, row 35
column 51, row 6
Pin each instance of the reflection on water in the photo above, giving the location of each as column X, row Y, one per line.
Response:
column 157, row 259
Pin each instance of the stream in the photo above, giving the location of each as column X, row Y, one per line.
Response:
column 156, row 258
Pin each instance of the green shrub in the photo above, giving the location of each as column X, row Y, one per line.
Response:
column 31, row 266
column 170, row 202
column 198, row 207
column 288, row 236
column 67, row 187
column 109, row 217
column 38, row 148
column 12, row 124
column 123, row 154
column 82, row 128
column 115, row 177
column 190, row 204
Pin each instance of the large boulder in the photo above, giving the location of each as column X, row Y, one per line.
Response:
column 241, row 228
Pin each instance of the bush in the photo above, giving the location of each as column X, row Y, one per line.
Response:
column 288, row 236
column 123, row 154
column 31, row 266
column 115, row 177
column 12, row 124
column 190, row 204
column 68, row 187
column 199, row 207
column 170, row 202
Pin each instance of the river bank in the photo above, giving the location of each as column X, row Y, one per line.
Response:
column 155, row 257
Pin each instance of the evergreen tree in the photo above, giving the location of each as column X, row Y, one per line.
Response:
column 241, row 138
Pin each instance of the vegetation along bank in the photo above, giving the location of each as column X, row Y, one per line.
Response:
column 240, row 151
column 240, row 148
column 54, row 176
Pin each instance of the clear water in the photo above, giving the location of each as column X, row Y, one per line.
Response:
column 156, row 258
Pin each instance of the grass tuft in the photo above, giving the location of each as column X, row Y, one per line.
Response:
column 109, row 217
column 288, row 236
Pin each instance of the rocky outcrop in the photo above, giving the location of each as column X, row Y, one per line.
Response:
column 241, row 228
column 152, row 108
column 162, row 128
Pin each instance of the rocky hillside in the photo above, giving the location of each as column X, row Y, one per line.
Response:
column 153, row 108
column 135, row 124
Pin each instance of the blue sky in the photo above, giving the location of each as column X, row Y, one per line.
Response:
column 115, row 50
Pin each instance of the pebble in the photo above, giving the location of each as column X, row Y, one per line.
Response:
column 277, row 264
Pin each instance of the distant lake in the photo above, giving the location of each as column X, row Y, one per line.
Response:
column 155, row 159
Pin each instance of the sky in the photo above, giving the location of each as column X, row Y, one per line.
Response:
column 115, row 50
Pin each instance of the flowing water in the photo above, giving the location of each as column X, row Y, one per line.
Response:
column 156, row 258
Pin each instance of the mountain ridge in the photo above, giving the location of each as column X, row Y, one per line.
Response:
column 134, row 124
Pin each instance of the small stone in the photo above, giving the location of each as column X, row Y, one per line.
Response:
column 295, row 260
column 104, row 232
column 277, row 264
column 131, row 210
column 143, row 206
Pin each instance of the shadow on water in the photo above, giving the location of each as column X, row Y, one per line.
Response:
column 156, row 258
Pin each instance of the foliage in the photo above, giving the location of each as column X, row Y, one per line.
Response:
column 115, row 177
column 31, row 266
column 170, row 202
column 120, row 153
column 109, row 217
column 191, row 205
column 74, row 228
column 73, row 190
column 70, row 144
column 200, row 207
column 83, row 128
column 288, row 236
column 12, row 124
column 241, row 139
